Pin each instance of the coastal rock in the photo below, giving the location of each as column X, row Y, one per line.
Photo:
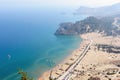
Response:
column 90, row 24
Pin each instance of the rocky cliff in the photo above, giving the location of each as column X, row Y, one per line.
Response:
column 90, row 24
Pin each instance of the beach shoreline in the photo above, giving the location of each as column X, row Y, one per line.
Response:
column 97, row 38
column 47, row 73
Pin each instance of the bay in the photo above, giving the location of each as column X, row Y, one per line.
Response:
column 27, row 41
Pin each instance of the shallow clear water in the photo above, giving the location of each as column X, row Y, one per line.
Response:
column 27, row 41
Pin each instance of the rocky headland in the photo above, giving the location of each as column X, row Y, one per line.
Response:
column 90, row 24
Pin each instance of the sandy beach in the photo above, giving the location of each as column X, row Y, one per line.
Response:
column 96, row 59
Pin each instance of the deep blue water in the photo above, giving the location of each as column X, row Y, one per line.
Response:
column 27, row 41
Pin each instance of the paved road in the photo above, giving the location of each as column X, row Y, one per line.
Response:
column 67, row 74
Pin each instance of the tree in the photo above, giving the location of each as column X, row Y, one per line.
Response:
column 24, row 75
column 94, row 78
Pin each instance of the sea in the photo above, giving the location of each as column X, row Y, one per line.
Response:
column 27, row 40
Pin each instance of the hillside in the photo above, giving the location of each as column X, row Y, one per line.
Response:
column 90, row 24
column 101, row 11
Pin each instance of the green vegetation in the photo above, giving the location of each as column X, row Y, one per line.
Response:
column 24, row 75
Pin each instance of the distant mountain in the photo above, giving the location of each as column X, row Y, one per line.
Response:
column 101, row 11
column 90, row 24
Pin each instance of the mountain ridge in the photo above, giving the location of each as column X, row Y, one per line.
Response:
column 90, row 24
column 100, row 11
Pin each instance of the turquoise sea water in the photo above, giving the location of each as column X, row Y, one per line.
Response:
column 27, row 41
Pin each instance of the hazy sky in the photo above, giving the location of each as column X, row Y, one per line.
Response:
column 58, row 3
